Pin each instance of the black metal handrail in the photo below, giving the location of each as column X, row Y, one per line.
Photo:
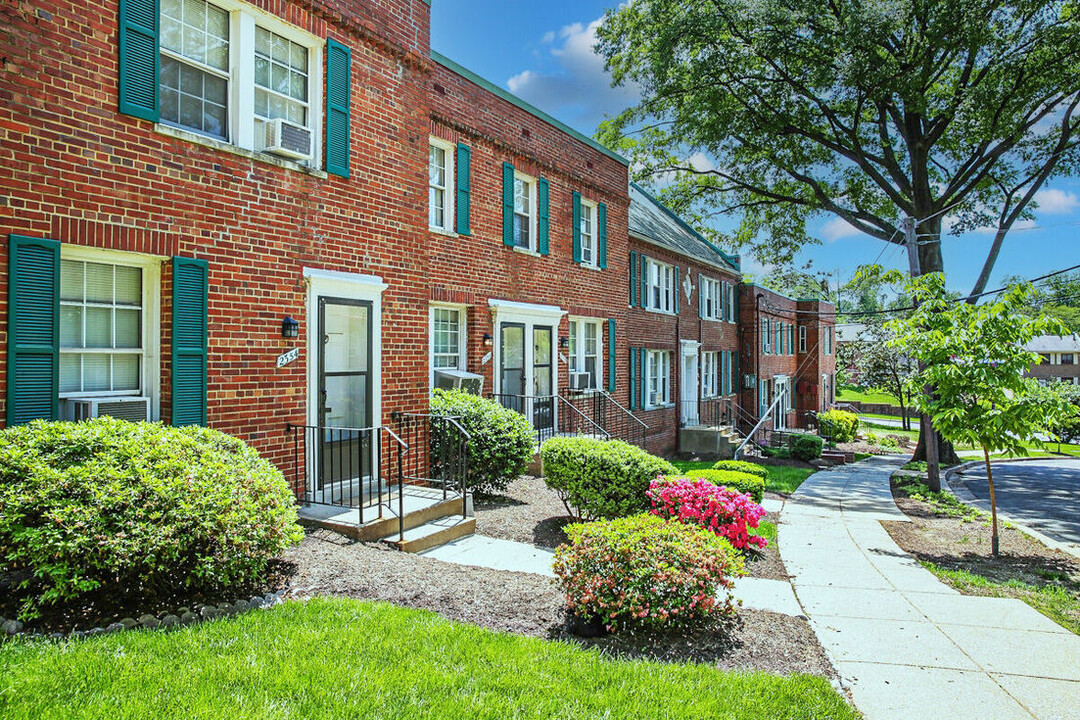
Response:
column 608, row 414
column 447, row 461
column 551, row 415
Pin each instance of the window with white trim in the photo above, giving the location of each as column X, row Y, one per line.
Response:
column 524, row 211
column 657, row 377
column 440, row 185
column 661, row 286
column 228, row 70
column 447, row 339
column 730, row 303
column 802, row 338
column 766, row 336
column 710, row 299
column 710, row 374
column 779, row 338
column 828, row 340
column 585, row 353
column 589, row 252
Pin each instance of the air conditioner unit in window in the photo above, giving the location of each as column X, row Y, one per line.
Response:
column 133, row 409
column 581, row 381
column 459, row 380
column 288, row 139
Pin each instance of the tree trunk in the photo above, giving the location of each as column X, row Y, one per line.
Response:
column 993, row 505
column 946, row 453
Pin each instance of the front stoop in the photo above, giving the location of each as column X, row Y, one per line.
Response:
column 429, row 520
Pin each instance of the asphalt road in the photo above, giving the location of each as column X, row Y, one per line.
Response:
column 1042, row 494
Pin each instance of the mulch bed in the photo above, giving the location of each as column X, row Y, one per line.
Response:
column 328, row 564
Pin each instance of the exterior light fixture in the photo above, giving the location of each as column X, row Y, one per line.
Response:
column 488, row 340
column 564, row 342
column 290, row 328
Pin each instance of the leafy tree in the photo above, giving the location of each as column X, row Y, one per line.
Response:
column 973, row 357
column 781, row 111
column 880, row 365
column 1058, row 297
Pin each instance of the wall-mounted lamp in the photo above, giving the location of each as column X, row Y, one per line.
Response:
column 290, row 328
column 488, row 340
column 564, row 342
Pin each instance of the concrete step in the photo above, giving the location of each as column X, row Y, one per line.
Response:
column 432, row 534
column 421, row 506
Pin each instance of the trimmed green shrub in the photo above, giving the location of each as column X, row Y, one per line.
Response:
column 776, row 452
column 840, row 426
column 135, row 510
column 732, row 480
column 601, row 478
column 643, row 571
column 501, row 440
column 805, row 447
column 744, row 467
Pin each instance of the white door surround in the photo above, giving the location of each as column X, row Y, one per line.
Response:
column 689, row 381
column 529, row 316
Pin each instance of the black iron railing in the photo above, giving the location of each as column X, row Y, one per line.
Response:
column 552, row 415
column 606, row 413
column 446, row 463
column 712, row 412
column 357, row 468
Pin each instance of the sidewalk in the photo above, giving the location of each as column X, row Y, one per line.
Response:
column 906, row 645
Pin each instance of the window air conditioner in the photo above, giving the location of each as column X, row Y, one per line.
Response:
column 580, row 381
column 459, row 380
column 287, row 139
column 132, row 409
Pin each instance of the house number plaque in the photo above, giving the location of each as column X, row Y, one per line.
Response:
column 287, row 357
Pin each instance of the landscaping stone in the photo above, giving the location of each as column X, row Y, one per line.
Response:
column 188, row 617
column 209, row 613
column 12, row 627
column 170, row 620
column 114, row 627
column 149, row 621
column 129, row 622
column 241, row 606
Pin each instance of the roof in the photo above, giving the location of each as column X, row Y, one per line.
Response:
column 850, row 332
column 519, row 103
column 651, row 220
column 1054, row 343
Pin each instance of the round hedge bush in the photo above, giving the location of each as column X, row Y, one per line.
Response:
column 840, row 426
column 804, row 446
column 601, row 478
column 501, row 440
column 744, row 467
column 112, row 509
column 643, row 571
column 738, row 481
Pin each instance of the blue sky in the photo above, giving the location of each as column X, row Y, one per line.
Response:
column 541, row 51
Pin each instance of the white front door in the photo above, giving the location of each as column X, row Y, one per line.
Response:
column 689, row 383
column 783, row 385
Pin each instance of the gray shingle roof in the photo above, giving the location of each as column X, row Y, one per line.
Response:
column 650, row 220
column 1053, row 343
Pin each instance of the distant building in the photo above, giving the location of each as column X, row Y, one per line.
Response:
column 1060, row 356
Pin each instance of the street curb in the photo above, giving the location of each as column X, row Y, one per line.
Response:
column 958, row 488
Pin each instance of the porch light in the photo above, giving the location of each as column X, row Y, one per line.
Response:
column 564, row 342
column 290, row 328
column 488, row 340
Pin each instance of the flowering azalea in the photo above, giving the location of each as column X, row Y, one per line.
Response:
column 728, row 513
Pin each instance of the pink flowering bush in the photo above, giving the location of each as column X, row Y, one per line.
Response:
column 725, row 512
column 642, row 571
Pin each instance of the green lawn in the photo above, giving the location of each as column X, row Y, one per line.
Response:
column 336, row 658
column 783, row 480
column 867, row 396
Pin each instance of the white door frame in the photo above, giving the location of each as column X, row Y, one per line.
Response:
column 531, row 316
column 782, row 382
column 689, row 382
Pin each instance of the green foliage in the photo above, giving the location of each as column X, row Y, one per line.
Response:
column 782, row 453
column 135, row 509
column 644, row 571
column 601, row 478
column 840, row 426
column 917, row 465
column 501, row 440
column 732, row 480
column 742, row 466
column 805, row 447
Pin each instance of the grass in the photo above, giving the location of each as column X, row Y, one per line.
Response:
column 766, row 530
column 943, row 502
column 338, row 658
column 1051, row 449
column 782, row 480
column 866, row 396
column 1059, row 599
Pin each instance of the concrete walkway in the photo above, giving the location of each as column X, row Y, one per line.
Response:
column 905, row 644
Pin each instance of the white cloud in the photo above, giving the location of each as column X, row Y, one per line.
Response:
column 1056, row 202
column 838, row 229
column 578, row 90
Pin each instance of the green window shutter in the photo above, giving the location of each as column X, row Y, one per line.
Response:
column 633, row 378
column 33, row 363
column 139, row 58
column 190, row 283
column 575, row 224
column 611, row 355
column 723, row 372
column 700, row 295
column 543, row 215
column 675, row 292
column 463, row 202
column 338, row 90
column 643, row 298
column 508, row 204
column 633, row 278
column 601, row 235
column 641, row 377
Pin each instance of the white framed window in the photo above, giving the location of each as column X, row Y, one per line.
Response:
column 766, row 336
column 229, row 69
column 779, row 337
column 589, row 250
column 440, row 185
column 711, row 298
column 729, row 303
column 109, row 320
column 661, row 286
column 448, row 336
column 802, row 338
column 828, row 343
column 727, row 381
column 524, row 211
column 585, row 351
column 710, row 374
column 657, row 377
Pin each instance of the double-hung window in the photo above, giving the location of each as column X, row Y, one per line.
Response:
column 447, row 339
column 440, row 186
column 233, row 74
column 661, row 286
column 524, row 212
column 710, row 374
column 1066, row 358
column 585, row 354
column 766, row 336
column 710, row 299
column 730, row 302
column 657, row 377
column 589, row 251
column 779, row 338
column 802, row 338
column 828, row 340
